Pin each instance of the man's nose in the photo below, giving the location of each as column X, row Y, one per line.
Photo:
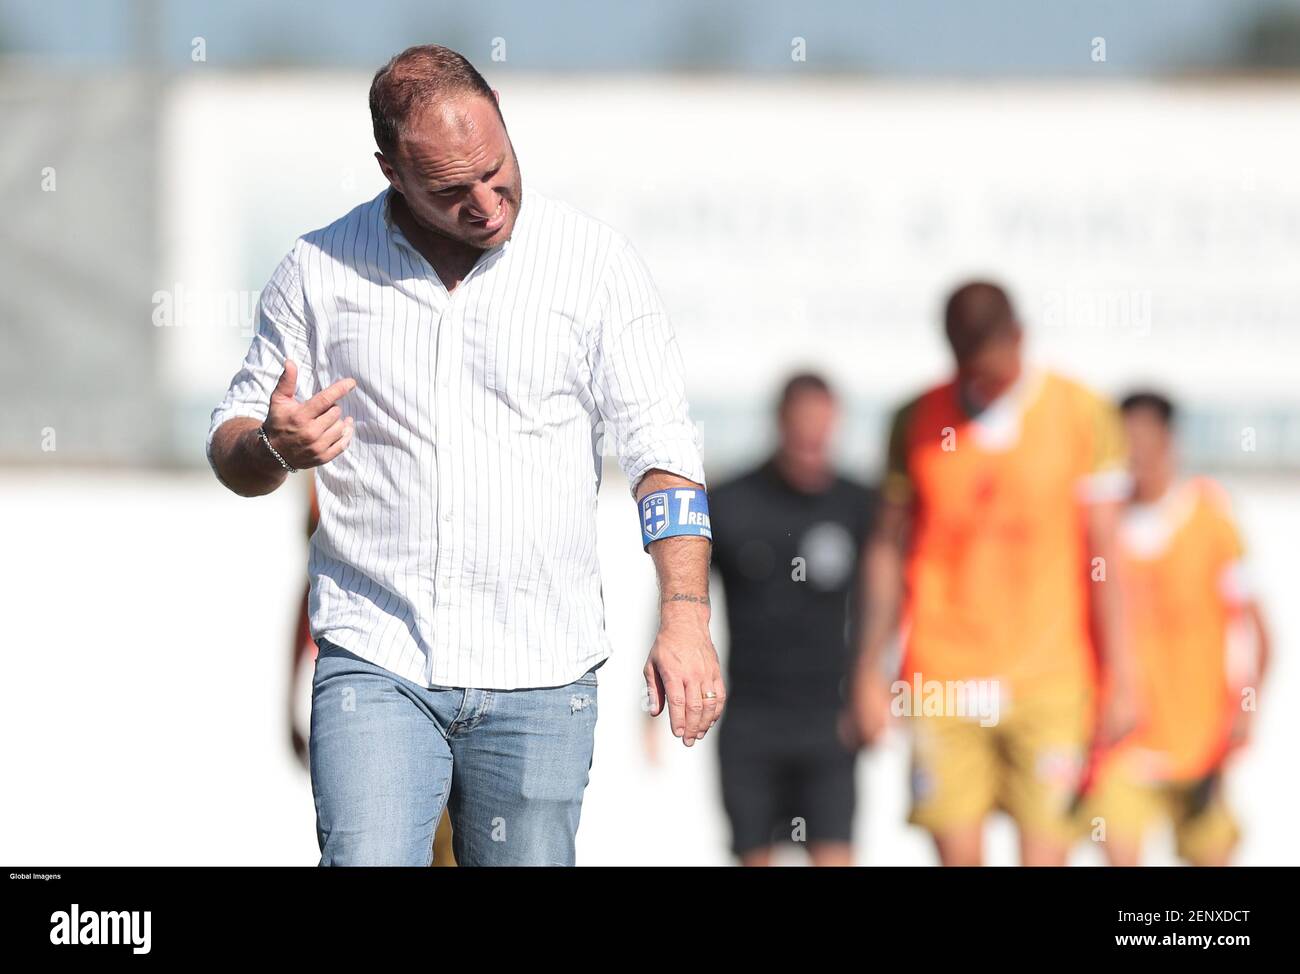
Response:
column 483, row 200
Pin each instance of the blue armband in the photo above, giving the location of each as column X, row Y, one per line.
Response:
column 672, row 512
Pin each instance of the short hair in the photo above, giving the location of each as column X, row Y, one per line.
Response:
column 1151, row 400
column 414, row 79
column 800, row 383
column 974, row 313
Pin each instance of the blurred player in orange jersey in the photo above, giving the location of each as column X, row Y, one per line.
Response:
column 1002, row 490
column 1185, row 575
column 304, row 648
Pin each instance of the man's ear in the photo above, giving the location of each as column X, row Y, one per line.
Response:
column 386, row 168
column 497, row 95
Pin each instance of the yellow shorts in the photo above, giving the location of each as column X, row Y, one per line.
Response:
column 1125, row 803
column 442, row 849
column 1028, row 763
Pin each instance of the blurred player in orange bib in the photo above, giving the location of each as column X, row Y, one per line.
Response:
column 1000, row 509
column 1186, row 585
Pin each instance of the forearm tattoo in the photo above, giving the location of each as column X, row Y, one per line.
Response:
column 687, row 597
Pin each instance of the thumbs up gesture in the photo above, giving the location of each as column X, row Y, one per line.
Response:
column 308, row 434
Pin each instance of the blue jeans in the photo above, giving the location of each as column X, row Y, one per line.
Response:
column 387, row 755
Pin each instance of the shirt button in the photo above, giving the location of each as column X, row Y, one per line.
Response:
column 446, row 517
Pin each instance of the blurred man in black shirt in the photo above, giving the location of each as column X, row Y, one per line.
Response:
column 786, row 541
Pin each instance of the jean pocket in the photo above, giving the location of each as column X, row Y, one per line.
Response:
column 587, row 679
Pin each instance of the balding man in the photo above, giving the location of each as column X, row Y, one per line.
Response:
column 452, row 357
column 997, row 538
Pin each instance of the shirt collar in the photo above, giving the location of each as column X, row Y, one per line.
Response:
column 997, row 425
column 1147, row 527
column 1014, row 396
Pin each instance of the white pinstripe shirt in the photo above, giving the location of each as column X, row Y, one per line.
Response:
column 457, row 536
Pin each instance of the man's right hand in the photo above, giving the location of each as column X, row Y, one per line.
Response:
column 308, row 434
column 867, row 717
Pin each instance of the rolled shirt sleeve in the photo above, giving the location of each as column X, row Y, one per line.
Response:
column 638, row 376
column 280, row 332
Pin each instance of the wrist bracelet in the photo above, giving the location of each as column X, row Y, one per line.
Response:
column 261, row 435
